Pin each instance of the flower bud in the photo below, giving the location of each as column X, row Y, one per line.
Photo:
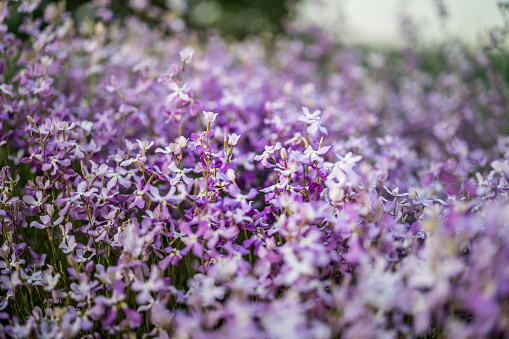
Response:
column 182, row 142
column 284, row 154
column 50, row 209
column 32, row 122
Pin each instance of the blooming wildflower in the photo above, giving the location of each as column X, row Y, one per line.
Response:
column 29, row 200
column 210, row 116
column 54, row 164
column 192, row 240
column 181, row 93
column 311, row 156
column 153, row 284
column 237, row 197
column 204, row 286
column 233, row 139
column 395, row 192
column 266, row 155
column 312, row 119
column 180, row 174
column 144, row 145
column 82, row 192
column 186, row 55
column 171, row 148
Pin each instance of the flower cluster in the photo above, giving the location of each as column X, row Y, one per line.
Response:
column 316, row 191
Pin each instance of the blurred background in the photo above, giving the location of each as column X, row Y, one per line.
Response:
column 371, row 22
column 378, row 22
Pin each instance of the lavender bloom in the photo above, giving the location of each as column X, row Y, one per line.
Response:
column 154, row 284
column 266, row 155
column 226, row 239
column 311, row 156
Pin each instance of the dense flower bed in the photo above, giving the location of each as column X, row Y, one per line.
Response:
column 307, row 190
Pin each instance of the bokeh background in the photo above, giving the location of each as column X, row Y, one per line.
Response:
column 370, row 22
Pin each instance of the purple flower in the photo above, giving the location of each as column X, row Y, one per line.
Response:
column 311, row 156
column 192, row 240
column 178, row 92
column 29, row 200
column 153, row 284
column 180, row 174
column 141, row 190
column 239, row 198
column 267, row 154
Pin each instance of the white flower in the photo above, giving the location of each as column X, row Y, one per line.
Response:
column 144, row 145
column 181, row 174
column 210, row 116
column 233, row 139
column 186, row 55
column 173, row 147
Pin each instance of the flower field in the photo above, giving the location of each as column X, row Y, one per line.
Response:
column 159, row 185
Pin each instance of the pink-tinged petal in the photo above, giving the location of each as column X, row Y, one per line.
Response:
column 143, row 297
column 173, row 167
column 233, row 190
column 229, row 201
column 46, row 167
column 111, row 183
column 426, row 180
column 59, row 221
column 187, row 180
column 323, row 150
column 134, row 318
column 308, row 150
column 202, row 228
column 197, row 249
column 46, row 219
column 126, row 109
column 82, row 186
column 230, row 233
column 185, row 228
column 37, row 225
column 312, row 128
column 251, row 194
column 65, row 162
column 126, row 162
column 140, row 202
column 29, row 200
column 163, row 264
column 124, row 182
column 161, row 150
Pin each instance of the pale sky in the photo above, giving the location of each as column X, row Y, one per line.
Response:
column 376, row 21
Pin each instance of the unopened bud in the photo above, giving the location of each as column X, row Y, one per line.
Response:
column 50, row 209
column 32, row 122
column 182, row 142
column 99, row 28
column 284, row 154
